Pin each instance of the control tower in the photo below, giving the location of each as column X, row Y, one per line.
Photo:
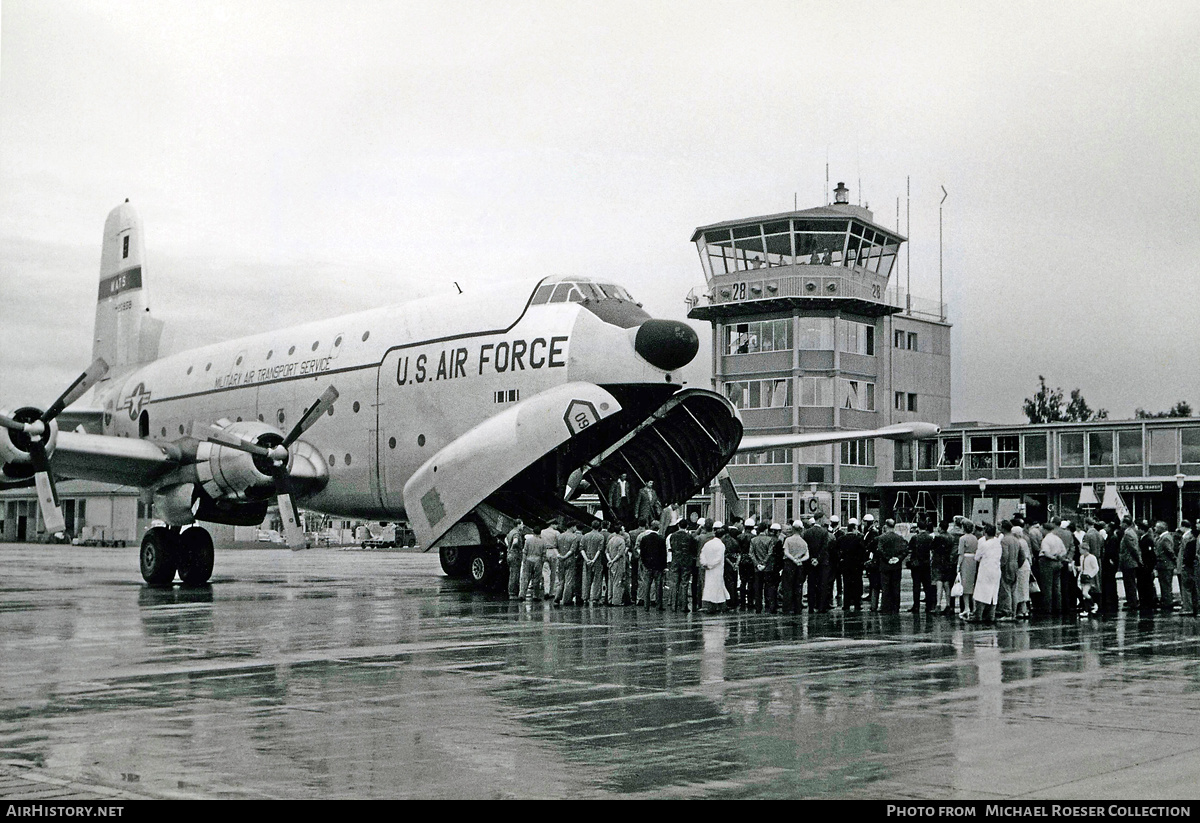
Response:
column 808, row 336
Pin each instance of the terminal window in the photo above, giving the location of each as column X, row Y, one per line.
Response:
column 858, row 453
column 906, row 340
column 952, row 453
column 928, row 452
column 1100, row 448
column 770, row 457
column 814, row 333
column 816, row 391
column 759, row 336
column 1129, row 448
column 1164, row 446
column 759, row 394
column 856, row 394
column 1070, row 449
column 1035, row 450
column 856, row 338
column 903, row 460
column 981, row 452
column 1191, row 445
column 1007, row 451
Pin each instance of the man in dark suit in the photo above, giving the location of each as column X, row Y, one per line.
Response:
column 648, row 505
column 1131, row 562
column 820, row 585
column 620, row 499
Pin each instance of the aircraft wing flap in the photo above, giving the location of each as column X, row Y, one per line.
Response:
column 111, row 459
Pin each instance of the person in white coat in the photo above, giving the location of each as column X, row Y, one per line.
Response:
column 987, row 580
column 712, row 559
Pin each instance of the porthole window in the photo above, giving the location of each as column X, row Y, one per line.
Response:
column 332, row 460
column 181, row 428
column 338, row 340
column 269, row 353
column 420, row 440
column 239, row 361
column 260, row 418
column 366, row 334
column 355, row 407
column 280, row 416
column 208, row 366
column 292, row 350
column 391, row 442
column 347, row 460
column 164, row 431
column 315, row 344
column 189, row 369
column 239, row 420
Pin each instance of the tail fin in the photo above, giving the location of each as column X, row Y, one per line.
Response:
column 125, row 332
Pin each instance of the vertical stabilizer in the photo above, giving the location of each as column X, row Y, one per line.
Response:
column 125, row 332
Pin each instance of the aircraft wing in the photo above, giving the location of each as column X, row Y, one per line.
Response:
column 112, row 459
column 899, row 431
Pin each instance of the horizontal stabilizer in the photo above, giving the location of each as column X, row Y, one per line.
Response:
column 899, row 431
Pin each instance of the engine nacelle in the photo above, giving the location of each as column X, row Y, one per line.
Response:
column 230, row 474
column 186, row 503
column 14, row 445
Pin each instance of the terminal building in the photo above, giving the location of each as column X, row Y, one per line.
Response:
column 1051, row 469
column 809, row 334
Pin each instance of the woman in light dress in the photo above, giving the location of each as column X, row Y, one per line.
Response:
column 1024, row 569
column 967, row 544
column 987, row 578
column 712, row 558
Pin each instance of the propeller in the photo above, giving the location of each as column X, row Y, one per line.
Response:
column 36, row 433
column 277, row 457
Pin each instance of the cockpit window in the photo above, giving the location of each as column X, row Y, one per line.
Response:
column 616, row 292
column 610, row 302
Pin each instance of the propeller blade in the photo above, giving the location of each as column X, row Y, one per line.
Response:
column 8, row 423
column 237, row 443
column 292, row 531
column 47, row 494
column 77, row 389
column 311, row 415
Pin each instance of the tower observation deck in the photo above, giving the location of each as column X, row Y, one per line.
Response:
column 808, row 336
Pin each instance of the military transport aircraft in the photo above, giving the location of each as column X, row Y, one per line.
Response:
column 458, row 414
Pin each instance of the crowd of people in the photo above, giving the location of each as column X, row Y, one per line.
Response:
column 979, row 572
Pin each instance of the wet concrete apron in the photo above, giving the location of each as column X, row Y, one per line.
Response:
column 336, row 674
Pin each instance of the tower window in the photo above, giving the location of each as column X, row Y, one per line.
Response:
column 125, row 247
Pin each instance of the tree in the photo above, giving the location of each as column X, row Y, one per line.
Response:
column 1180, row 409
column 1049, row 406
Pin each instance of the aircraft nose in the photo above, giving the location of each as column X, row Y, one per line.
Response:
column 666, row 344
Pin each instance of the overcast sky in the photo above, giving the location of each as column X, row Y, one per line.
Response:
column 291, row 160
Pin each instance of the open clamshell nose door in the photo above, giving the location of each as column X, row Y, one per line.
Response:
column 462, row 475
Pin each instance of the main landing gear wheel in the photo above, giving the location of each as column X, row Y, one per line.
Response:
column 159, row 556
column 195, row 556
column 482, row 568
column 456, row 561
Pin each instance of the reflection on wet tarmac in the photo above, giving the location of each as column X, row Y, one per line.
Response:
column 355, row 674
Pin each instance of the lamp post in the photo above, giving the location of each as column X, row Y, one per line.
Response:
column 1179, row 478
